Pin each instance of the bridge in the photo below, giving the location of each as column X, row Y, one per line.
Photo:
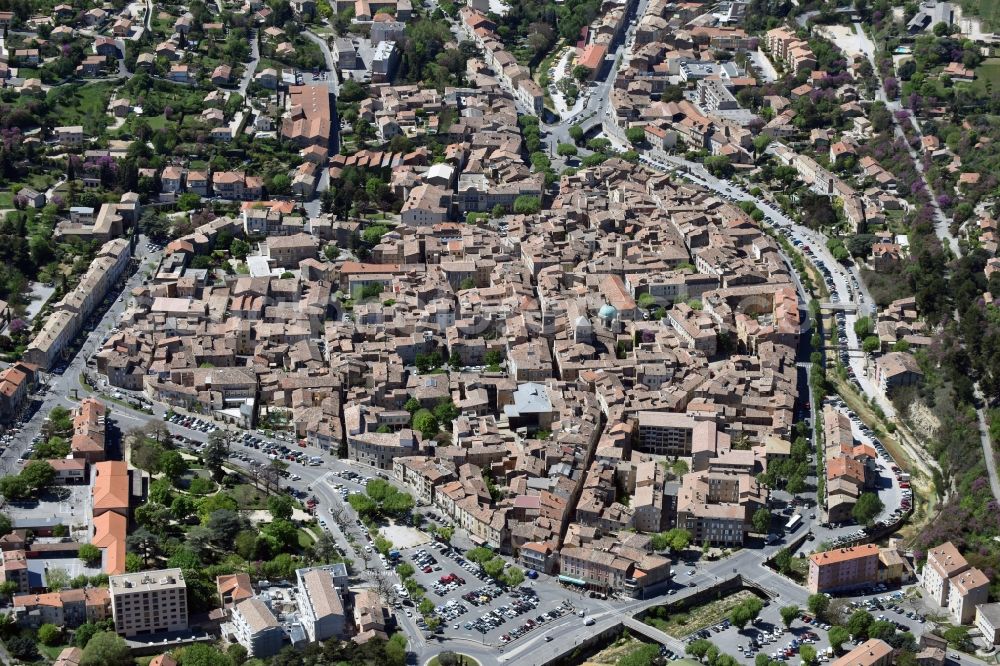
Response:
column 843, row 307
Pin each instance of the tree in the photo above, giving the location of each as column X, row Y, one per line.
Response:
column 237, row 654
column 426, row 423
column 566, row 150
column 762, row 521
column 635, row 135
column 838, row 636
column 871, row 344
column 526, row 204
column 38, row 474
column 281, row 507
column 239, row 249
column 513, row 577
column 86, row 631
column 788, row 614
column 719, row 166
column 49, row 634
column 783, row 560
column 203, row 654
column 863, row 327
column 395, row 649
column 172, row 465
column 56, row 578
column 581, row 73
column 412, row 405
column 90, row 554
column 224, row 524
column 576, row 133
column 106, row 649
column 143, row 543
column 55, row 447
column 493, row 567
column 23, row 647
column 808, row 654
column 867, row 508
column 745, row 612
column 698, row 648
column 817, row 604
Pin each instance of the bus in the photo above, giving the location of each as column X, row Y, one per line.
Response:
column 793, row 522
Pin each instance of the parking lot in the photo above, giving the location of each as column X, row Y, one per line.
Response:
column 768, row 635
column 471, row 606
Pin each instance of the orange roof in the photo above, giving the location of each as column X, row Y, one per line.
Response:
column 68, row 464
column 88, row 427
column 842, row 466
column 14, row 560
column 592, row 56
column 10, row 380
column 163, row 660
column 111, row 486
column 52, row 599
column 109, row 534
column 238, row 585
column 844, row 554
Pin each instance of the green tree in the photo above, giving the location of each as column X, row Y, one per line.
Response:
column 172, row 465
column 788, row 614
column 395, row 649
column 566, row 150
column 635, row 135
column 871, row 344
column 719, row 166
column 405, row 570
column 838, row 636
column 863, row 327
column 239, row 249
column 698, row 648
column 745, row 612
column 818, row 604
column 576, row 133
column 55, row 447
column 90, row 554
column 203, row 654
column 783, row 560
column 513, row 577
column 49, row 634
column 867, row 508
column 808, row 654
column 106, row 648
column 425, row 422
column 281, row 507
column 494, row 567
column 526, row 204
column 38, row 474
column 412, row 405
column 86, row 631
column 762, row 521
column 237, row 654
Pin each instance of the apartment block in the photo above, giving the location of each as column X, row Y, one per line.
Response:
column 149, row 602
column 968, row 590
column 843, row 568
column 320, row 607
column 66, row 608
column 257, row 629
column 943, row 562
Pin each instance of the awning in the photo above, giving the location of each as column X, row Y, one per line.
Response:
column 574, row 581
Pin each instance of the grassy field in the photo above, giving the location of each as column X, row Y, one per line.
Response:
column 987, row 10
column 988, row 75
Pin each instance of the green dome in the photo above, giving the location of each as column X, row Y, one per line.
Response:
column 607, row 311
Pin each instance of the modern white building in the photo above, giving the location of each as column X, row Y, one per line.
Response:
column 257, row 629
